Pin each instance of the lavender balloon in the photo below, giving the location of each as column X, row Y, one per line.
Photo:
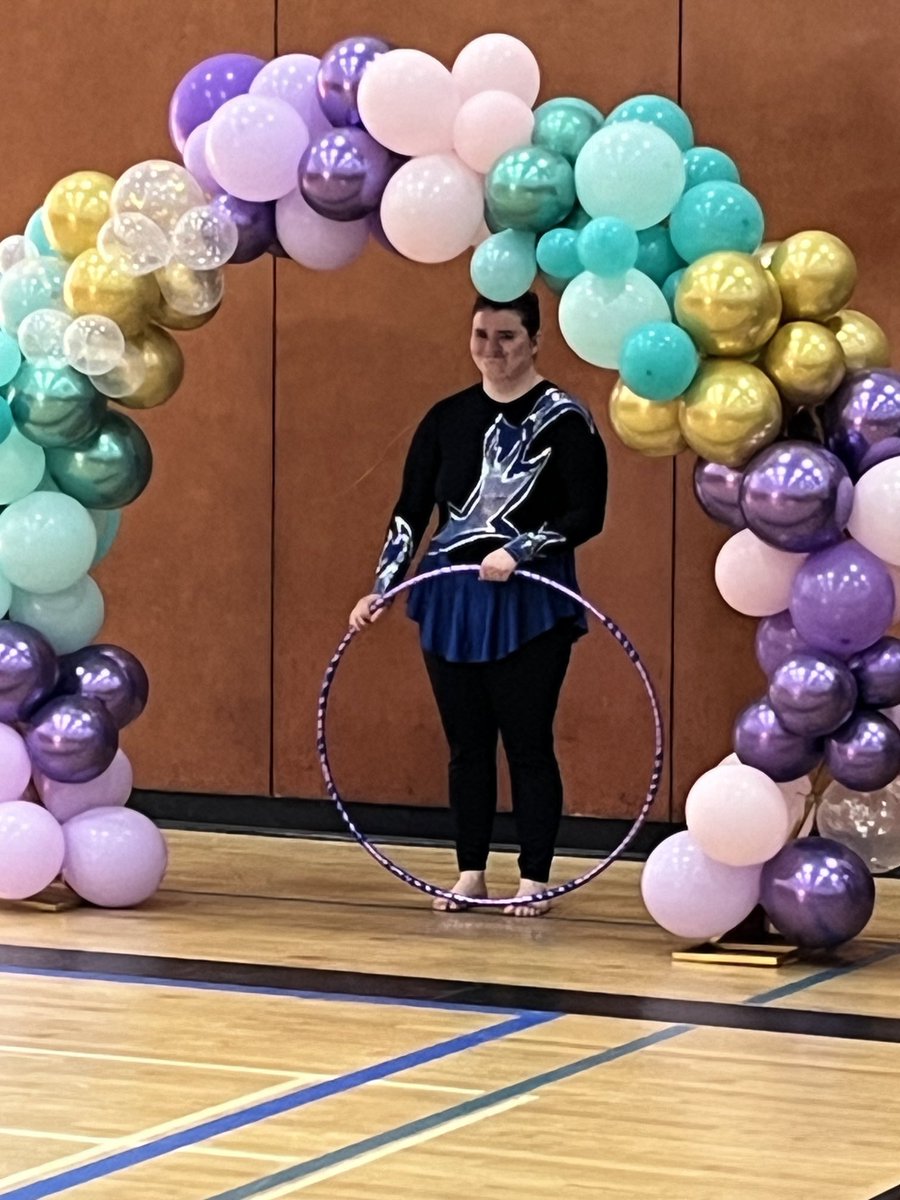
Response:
column 717, row 489
column 110, row 674
column 761, row 741
column 340, row 71
column 344, row 172
column 28, row 670
column 776, row 639
column 842, row 599
column 205, row 88
column 255, row 221
column 812, row 694
column 115, row 857
column 817, row 893
column 72, row 739
column 880, row 452
column 864, row 411
column 877, row 671
column 796, row 496
column 864, row 754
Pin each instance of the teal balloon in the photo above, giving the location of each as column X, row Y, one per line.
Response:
column 109, row 471
column 577, row 219
column 659, row 111
column 503, row 266
column 47, row 542
column 34, row 231
column 553, row 283
column 670, row 286
column 55, row 406
column 630, row 170
column 68, row 619
column 557, row 254
column 6, row 421
column 30, row 284
column 705, row 164
column 10, row 358
column 21, row 467
column 608, row 247
column 716, row 216
column 565, row 124
column 656, row 255
column 529, row 189
column 596, row 315
column 107, row 522
column 658, row 361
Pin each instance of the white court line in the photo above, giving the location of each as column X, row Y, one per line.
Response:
column 307, row 1076
column 219, row 1152
column 53, row 1137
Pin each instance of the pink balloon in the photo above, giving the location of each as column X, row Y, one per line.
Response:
column 753, row 578
column 15, row 764
column 314, row 241
column 408, row 101
column 795, row 792
column 253, row 147
column 31, row 849
column 115, row 857
column 692, row 896
column 738, row 815
column 194, row 157
column 488, row 125
column 67, row 800
column 292, row 78
column 497, row 61
column 432, row 208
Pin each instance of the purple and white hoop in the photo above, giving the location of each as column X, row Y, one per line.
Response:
column 550, row 893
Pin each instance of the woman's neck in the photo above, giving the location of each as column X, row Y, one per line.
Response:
column 514, row 389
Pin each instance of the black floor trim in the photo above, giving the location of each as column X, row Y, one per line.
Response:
column 891, row 1194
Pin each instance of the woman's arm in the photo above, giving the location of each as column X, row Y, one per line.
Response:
column 413, row 509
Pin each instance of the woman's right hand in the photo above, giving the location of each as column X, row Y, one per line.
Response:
column 362, row 615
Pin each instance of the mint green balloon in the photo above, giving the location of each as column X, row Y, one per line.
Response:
column 10, row 358
column 34, row 231
column 6, row 592
column 631, row 171
column 28, row 285
column 47, row 542
column 565, row 124
column 608, row 247
column 557, row 253
column 597, row 315
column 657, row 256
column 553, row 283
column 55, row 406
column 107, row 522
column 503, row 265
column 703, row 164
column 665, row 114
column 529, row 189
column 68, row 619
column 21, row 467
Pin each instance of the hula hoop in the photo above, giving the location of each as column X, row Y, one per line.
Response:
column 430, row 889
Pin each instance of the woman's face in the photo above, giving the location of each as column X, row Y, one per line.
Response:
column 501, row 348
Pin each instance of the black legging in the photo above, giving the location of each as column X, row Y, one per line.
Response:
column 515, row 697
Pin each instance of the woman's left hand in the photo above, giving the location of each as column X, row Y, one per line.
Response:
column 497, row 567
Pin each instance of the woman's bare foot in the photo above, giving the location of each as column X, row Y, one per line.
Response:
column 528, row 887
column 470, row 883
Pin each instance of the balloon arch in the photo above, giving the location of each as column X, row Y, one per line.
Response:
column 742, row 351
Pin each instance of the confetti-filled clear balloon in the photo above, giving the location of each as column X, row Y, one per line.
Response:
column 42, row 334
column 188, row 291
column 136, row 242
column 205, row 238
column 124, row 378
column 93, row 344
column 13, row 249
column 867, row 822
column 160, row 190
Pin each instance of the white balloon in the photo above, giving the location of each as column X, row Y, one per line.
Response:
column 42, row 334
column 93, row 344
column 432, row 208
column 188, row 291
column 157, row 189
column 497, row 61
column 408, row 102
column 753, row 578
column 488, row 125
column 738, row 815
column 14, row 249
column 875, row 519
column 796, row 794
column 134, row 241
column 124, row 378
column 205, row 238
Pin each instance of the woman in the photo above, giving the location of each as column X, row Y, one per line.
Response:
column 518, row 472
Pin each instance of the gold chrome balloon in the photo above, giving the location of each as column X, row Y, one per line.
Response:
column 765, row 252
column 164, row 314
column 188, row 292
column 816, row 273
column 101, row 287
column 163, row 365
column 645, row 425
column 863, row 342
column 730, row 411
column 728, row 303
column 805, row 361
column 75, row 210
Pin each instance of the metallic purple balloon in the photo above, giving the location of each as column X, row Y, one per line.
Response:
column 110, row 674
column 28, row 670
column 877, row 671
column 796, row 497
column 344, row 172
column 812, row 694
column 863, row 411
column 817, row 893
column 717, row 489
column 880, row 452
column 761, row 741
column 864, row 754
column 205, row 88
column 776, row 639
column 276, row 249
column 337, row 80
column 255, row 225
column 842, row 599
column 72, row 739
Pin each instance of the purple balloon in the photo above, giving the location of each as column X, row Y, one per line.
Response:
column 776, row 639
column 842, row 599
column 276, row 249
column 761, row 741
column 864, row 754
column 340, row 71
column 880, row 452
column 344, row 172
column 205, row 88
column 877, row 671
column 717, row 489
column 812, row 694
column 255, row 221
column 796, row 496
column 28, row 670
column 863, row 411
column 72, row 739
column 110, row 674
column 817, row 893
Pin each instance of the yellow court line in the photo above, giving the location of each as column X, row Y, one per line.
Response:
column 306, row 1076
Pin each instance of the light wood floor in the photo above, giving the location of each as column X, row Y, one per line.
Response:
column 134, row 1088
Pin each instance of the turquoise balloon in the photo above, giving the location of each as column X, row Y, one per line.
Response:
column 21, row 467
column 608, row 247
column 6, row 421
column 656, row 254
column 596, row 315
column 659, row 111
column 716, row 216
column 553, row 283
column 658, row 361
column 557, row 254
column 503, row 266
column 705, row 164
column 68, row 619
column 670, row 286
column 107, row 522
column 565, row 124
column 34, row 231
column 109, row 471
column 529, row 189
column 28, row 285
column 47, row 542
column 630, row 170
column 10, row 358
column 55, row 406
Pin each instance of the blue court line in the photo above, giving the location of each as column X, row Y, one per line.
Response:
column 801, row 985
column 289, row 1102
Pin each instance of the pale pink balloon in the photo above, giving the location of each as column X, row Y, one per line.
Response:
column 67, row 800
column 795, row 792
column 497, row 61
column 194, row 156
column 408, row 101
column 115, row 857
column 15, row 764
column 737, row 815
column 432, row 208
column 253, row 146
column 314, row 241
column 482, row 233
column 875, row 519
column 488, row 125
column 292, row 78
column 753, row 578
column 31, row 849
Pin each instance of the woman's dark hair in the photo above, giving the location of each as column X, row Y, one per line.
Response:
column 528, row 307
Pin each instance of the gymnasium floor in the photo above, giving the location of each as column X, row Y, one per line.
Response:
column 284, row 1017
